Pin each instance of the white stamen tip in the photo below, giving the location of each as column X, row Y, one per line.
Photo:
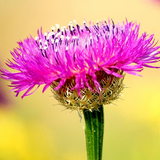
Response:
column 62, row 29
column 52, row 28
column 45, row 47
column 52, row 41
column 67, row 37
column 62, row 37
column 75, row 21
column 57, row 25
column 36, row 38
column 70, row 24
column 45, row 34
column 48, row 37
column 58, row 34
column 66, row 48
column 51, row 33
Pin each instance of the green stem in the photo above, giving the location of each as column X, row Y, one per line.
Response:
column 94, row 133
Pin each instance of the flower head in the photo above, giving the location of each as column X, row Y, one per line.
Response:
column 82, row 64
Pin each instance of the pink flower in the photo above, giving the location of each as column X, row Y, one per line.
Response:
column 80, row 53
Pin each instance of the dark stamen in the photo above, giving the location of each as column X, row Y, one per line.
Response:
column 37, row 43
column 53, row 46
column 107, row 29
column 113, row 25
column 60, row 41
column 74, row 57
column 45, row 53
column 78, row 28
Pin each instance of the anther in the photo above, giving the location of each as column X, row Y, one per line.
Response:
column 91, row 40
column 66, row 41
column 45, row 35
column 58, row 27
column 73, row 40
column 106, row 27
column 62, row 37
column 46, row 43
column 53, row 28
column 40, row 41
column 77, row 41
column 113, row 25
column 52, row 42
column 51, row 34
column 36, row 38
column 45, row 52
column 81, row 29
column 56, row 41
column 74, row 57
column 62, row 30
column 60, row 41
column 77, row 25
column 70, row 28
column 48, row 39
column 75, row 22
column 68, row 38
column 65, row 30
column 86, row 45
column 41, row 50
column 97, row 37
column 98, row 24
column 56, row 57
column 57, row 35
column 86, row 27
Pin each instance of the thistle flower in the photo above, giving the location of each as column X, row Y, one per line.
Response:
column 84, row 65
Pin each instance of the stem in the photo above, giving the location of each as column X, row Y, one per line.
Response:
column 94, row 133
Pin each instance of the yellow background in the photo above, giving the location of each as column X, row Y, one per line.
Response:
column 36, row 128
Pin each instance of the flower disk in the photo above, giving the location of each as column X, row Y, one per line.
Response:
column 82, row 64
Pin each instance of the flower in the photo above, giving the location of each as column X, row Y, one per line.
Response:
column 84, row 65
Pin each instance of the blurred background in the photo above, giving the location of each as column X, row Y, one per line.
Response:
column 37, row 128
